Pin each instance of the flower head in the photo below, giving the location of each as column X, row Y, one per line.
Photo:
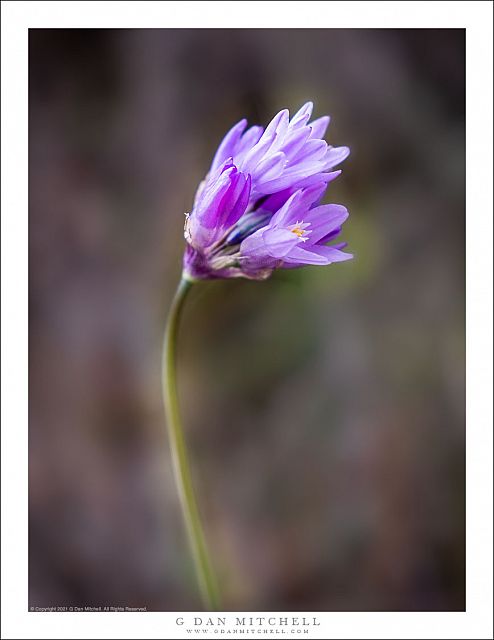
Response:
column 258, row 208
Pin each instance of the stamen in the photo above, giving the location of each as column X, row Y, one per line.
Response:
column 299, row 229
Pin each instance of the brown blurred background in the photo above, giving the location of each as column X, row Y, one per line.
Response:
column 324, row 408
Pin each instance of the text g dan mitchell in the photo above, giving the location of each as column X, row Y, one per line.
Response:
column 261, row 621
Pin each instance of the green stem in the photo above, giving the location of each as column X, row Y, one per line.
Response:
column 183, row 479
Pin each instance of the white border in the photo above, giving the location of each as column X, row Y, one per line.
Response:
column 476, row 17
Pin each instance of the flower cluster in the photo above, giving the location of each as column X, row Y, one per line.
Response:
column 259, row 208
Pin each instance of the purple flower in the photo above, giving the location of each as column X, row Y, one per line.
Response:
column 258, row 208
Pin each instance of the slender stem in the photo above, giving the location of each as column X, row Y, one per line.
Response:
column 181, row 468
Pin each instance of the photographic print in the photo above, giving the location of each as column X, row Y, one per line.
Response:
column 247, row 319
column 319, row 458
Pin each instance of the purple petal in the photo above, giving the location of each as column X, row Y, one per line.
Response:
column 312, row 150
column 330, row 236
column 276, row 200
column 230, row 198
column 325, row 219
column 258, row 151
column 240, row 206
column 291, row 179
column 250, row 138
column 282, row 215
column 298, row 207
column 272, row 242
column 276, row 128
column 280, row 132
column 237, row 181
column 227, row 145
column 332, row 254
column 340, row 245
column 211, row 180
column 270, row 167
column 317, row 177
column 279, row 123
column 297, row 255
column 313, row 194
column 335, row 155
column 208, row 205
column 295, row 140
column 302, row 115
column 319, row 127
column 279, row 242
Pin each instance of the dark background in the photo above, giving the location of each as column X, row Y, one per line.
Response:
column 324, row 408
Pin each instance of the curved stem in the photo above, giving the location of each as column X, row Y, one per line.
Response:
column 183, row 479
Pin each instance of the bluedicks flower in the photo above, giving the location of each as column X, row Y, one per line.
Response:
column 259, row 209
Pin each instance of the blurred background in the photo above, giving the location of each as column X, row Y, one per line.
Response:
column 324, row 408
